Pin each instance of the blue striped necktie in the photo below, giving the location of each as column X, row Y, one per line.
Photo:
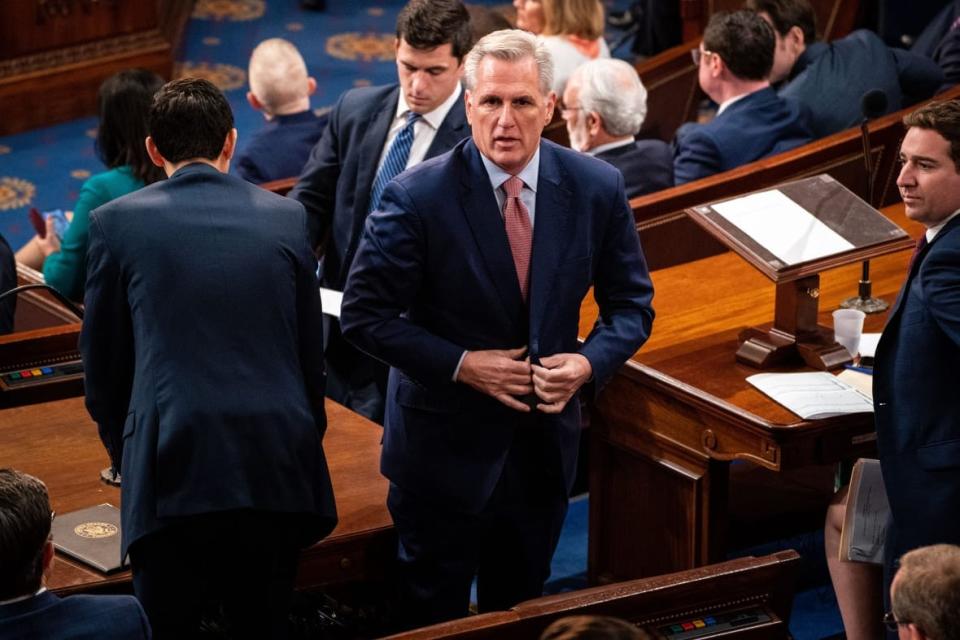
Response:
column 396, row 160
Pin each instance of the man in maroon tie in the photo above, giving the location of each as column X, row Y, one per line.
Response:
column 468, row 282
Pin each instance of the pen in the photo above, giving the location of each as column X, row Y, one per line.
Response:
column 853, row 367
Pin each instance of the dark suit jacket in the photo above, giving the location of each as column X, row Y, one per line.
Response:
column 758, row 125
column 78, row 617
column 8, row 280
column 434, row 276
column 646, row 165
column 281, row 148
column 203, row 363
column 829, row 80
column 916, row 400
column 336, row 182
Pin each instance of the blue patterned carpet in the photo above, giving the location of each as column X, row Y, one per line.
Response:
column 351, row 44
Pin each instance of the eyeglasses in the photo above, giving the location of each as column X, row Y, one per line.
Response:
column 890, row 621
column 698, row 54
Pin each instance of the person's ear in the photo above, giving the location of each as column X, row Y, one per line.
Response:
column 155, row 156
column 229, row 145
column 468, row 106
column 254, row 101
column 796, row 39
column 48, row 554
column 594, row 123
column 311, row 86
column 550, row 104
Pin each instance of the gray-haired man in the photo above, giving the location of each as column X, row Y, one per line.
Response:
column 604, row 107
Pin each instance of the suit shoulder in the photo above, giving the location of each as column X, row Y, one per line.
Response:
column 364, row 99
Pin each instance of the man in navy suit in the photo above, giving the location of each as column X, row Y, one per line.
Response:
column 27, row 609
column 468, row 282
column 829, row 80
column 373, row 134
column 915, row 372
column 753, row 122
column 204, row 374
column 604, row 104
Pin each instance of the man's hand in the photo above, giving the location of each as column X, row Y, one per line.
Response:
column 557, row 378
column 51, row 243
column 501, row 373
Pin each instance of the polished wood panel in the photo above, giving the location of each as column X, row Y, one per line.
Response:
column 36, row 308
column 58, row 443
column 54, row 55
column 669, row 423
column 648, row 603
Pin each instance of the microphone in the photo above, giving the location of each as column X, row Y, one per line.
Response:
column 873, row 104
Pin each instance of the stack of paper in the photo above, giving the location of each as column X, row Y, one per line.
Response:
column 812, row 395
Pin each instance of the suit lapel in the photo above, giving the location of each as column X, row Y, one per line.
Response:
column 918, row 261
column 550, row 233
column 483, row 216
column 452, row 130
column 376, row 128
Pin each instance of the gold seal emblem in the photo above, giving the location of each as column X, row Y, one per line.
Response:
column 15, row 192
column 4, row 149
column 94, row 530
column 80, row 174
column 362, row 46
column 225, row 76
column 232, row 10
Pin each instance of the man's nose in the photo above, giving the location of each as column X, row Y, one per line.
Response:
column 507, row 116
column 906, row 177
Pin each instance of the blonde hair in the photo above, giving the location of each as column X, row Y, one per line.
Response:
column 582, row 18
column 278, row 75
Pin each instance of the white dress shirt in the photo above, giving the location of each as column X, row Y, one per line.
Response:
column 424, row 130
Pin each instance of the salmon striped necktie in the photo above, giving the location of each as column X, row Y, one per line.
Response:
column 516, row 219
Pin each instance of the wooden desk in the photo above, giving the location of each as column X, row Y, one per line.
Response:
column 57, row 442
column 670, row 422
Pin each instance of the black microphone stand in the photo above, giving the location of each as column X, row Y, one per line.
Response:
column 864, row 300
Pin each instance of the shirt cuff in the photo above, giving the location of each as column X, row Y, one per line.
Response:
column 456, row 372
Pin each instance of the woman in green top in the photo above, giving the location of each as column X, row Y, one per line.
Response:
column 123, row 106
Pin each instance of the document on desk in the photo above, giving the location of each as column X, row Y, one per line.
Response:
column 782, row 227
column 812, row 395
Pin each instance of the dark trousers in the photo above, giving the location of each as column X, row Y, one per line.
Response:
column 235, row 567
column 507, row 546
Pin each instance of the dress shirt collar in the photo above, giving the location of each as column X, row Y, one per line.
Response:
column 616, row 144
column 22, row 598
column 434, row 118
column 529, row 174
column 933, row 231
column 727, row 103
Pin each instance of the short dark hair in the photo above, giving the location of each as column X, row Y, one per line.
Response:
column 591, row 628
column 942, row 116
column 786, row 14
column 24, row 529
column 190, row 118
column 123, row 106
column 427, row 24
column 743, row 40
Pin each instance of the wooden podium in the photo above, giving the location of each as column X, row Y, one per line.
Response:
column 666, row 428
column 836, row 228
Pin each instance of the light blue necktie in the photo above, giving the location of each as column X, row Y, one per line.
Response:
column 395, row 161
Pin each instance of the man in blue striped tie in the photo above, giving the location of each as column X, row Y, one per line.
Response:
column 375, row 133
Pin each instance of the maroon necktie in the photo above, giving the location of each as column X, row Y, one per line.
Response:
column 516, row 219
column 921, row 244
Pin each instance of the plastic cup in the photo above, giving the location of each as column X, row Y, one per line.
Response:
column 847, row 328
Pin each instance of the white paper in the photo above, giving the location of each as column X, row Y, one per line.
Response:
column 863, row 382
column 783, row 227
column 331, row 301
column 812, row 395
column 868, row 344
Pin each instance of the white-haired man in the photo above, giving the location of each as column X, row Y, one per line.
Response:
column 604, row 105
column 468, row 282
